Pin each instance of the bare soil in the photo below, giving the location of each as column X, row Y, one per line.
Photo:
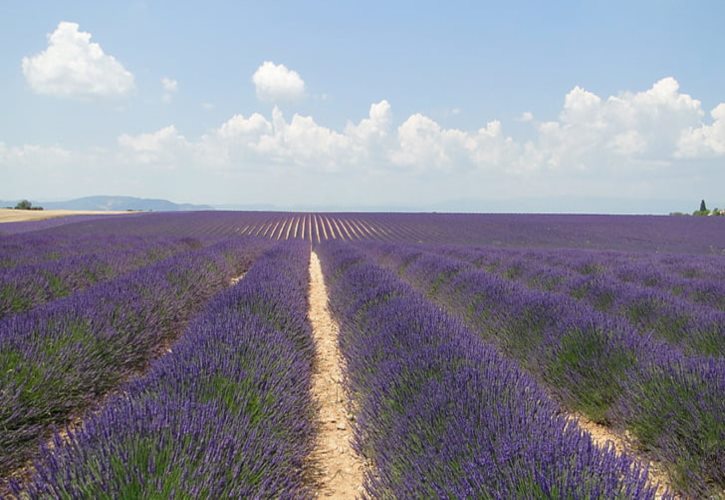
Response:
column 9, row 215
column 602, row 435
column 338, row 469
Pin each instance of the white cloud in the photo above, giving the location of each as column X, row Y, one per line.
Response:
column 170, row 87
column 239, row 126
column 705, row 140
column 73, row 66
column 632, row 144
column 166, row 147
column 28, row 155
column 629, row 132
column 594, row 133
column 526, row 117
column 374, row 128
column 275, row 82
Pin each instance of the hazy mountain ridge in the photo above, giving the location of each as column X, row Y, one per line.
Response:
column 114, row 203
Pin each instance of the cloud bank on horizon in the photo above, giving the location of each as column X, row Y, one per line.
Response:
column 596, row 142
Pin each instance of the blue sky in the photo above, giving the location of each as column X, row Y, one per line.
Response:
column 593, row 106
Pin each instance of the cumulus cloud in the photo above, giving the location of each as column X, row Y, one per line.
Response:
column 594, row 133
column 73, row 66
column 623, row 143
column 275, row 82
column 705, row 140
column 628, row 132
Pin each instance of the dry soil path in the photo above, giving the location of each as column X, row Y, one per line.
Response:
column 339, row 470
column 7, row 215
column 601, row 436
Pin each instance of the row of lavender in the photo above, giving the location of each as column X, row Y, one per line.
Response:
column 609, row 282
column 442, row 414
column 44, row 247
column 697, row 278
column 227, row 414
column 27, row 285
column 10, row 228
column 595, row 363
column 692, row 235
column 60, row 357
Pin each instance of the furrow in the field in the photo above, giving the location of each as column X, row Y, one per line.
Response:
column 317, row 228
column 351, row 229
column 398, row 231
column 412, row 234
column 345, row 228
column 290, row 223
column 297, row 226
column 387, row 232
column 293, row 231
column 364, row 231
column 309, row 227
column 375, row 228
column 280, row 232
column 370, row 228
column 337, row 228
column 319, row 219
column 302, row 227
column 267, row 227
column 340, row 468
column 270, row 228
column 274, row 230
column 259, row 228
column 603, row 436
column 328, row 228
column 333, row 229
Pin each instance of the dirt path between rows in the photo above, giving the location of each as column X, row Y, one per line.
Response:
column 602, row 435
column 339, row 470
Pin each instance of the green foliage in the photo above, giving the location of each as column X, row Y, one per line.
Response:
column 26, row 205
column 589, row 369
column 669, row 404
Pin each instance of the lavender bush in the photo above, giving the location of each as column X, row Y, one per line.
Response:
column 594, row 363
column 25, row 286
column 697, row 327
column 442, row 414
column 226, row 414
column 60, row 357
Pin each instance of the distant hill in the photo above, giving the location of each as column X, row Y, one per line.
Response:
column 114, row 203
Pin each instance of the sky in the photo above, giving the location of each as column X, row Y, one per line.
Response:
column 587, row 106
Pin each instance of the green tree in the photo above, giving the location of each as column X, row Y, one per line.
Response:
column 703, row 207
column 24, row 205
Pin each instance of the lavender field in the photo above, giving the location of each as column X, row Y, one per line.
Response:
column 174, row 355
